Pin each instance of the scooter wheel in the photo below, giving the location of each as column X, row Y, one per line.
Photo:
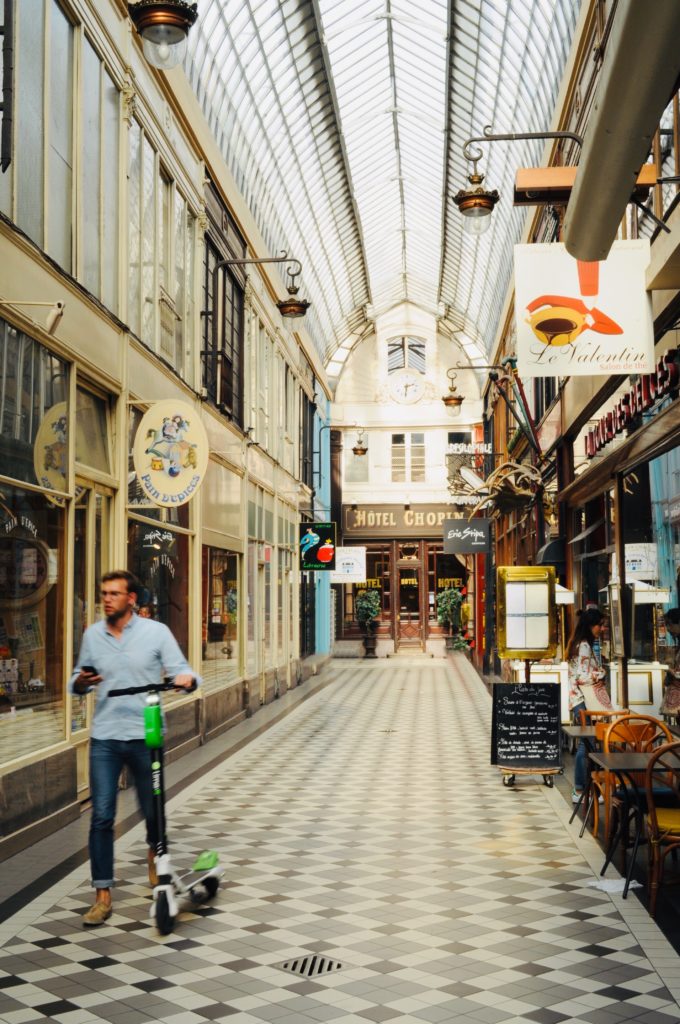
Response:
column 211, row 886
column 165, row 922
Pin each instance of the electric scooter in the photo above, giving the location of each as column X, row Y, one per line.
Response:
column 171, row 886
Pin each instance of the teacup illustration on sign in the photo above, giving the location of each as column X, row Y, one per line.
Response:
column 560, row 319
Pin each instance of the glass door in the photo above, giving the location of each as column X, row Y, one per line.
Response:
column 409, row 618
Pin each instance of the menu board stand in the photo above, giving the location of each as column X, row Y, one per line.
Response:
column 525, row 729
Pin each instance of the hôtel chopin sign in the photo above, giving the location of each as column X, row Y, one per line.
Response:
column 394, row 520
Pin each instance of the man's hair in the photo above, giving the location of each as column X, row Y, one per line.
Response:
column 133, row 584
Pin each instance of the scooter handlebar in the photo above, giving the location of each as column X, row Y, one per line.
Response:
column 167, row 684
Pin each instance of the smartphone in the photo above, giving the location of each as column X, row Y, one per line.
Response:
column 90, row 670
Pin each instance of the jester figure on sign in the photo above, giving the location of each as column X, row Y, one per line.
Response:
column 169, row 450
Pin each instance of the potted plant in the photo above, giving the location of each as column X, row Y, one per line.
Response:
column 449, row 602
column 366, row 609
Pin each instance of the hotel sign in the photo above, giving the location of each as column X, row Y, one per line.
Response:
column 372, row 521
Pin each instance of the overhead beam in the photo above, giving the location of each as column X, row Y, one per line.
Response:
column 537, row 185
column 639, row 71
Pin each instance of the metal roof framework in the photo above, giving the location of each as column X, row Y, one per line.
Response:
column 343, row 121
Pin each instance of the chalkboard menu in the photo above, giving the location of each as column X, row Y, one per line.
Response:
column 525, row 726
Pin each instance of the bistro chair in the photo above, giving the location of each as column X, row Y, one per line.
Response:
column 663, row 822
column 601, row 720
column 639, row 734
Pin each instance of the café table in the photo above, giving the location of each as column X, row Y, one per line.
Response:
column 587, row 734
column 625, row 764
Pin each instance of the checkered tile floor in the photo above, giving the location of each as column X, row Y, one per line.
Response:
column 367, row 828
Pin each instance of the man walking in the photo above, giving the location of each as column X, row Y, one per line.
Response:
column 119, row 651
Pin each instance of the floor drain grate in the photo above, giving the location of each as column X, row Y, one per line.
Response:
column 311, row 966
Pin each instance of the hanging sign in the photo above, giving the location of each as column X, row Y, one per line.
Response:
column 170, row 453
column 577, row 319
column 50, row 451
column 317, row 546
column 350, row 565
column 465, row 537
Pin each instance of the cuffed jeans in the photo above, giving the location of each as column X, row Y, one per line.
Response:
column 580, row 767
column 107, row 760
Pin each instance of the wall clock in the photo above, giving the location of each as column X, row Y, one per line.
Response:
column 406, row 386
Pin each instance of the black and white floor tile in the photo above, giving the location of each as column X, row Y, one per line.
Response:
column 367, row 829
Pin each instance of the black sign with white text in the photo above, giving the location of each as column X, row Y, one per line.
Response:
column 464, row 537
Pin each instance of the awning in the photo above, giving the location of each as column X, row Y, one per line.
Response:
column 588, row 530
column 551, row 553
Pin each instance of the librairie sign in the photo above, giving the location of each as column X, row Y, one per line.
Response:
column 575, row 318
column 466, row 537
column 317, row 547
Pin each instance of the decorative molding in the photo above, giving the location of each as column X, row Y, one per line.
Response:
column 129, row 96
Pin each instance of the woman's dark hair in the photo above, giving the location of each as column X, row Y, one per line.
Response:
column 672, row 617
column 584, row 630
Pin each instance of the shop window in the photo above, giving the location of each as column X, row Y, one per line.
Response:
column 378, row 577
column 406, row 353
column 34, row 444
column 408, row 458
column 32, row 611
column 92, row 432
column 159, row 558
column 221, row 606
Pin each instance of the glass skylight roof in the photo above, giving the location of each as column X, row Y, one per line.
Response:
column 343, row 122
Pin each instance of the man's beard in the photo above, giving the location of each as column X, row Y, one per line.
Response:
column 115, row 617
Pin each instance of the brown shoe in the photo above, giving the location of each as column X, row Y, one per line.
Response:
column 97, row 914
column 153, row 874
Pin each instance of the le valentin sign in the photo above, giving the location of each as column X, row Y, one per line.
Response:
column 575, row 318
column 644, row 393
column 465, row 537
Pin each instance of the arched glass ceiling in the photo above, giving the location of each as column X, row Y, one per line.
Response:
column 343, row 122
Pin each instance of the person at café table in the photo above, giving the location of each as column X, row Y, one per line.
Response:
column 586, row 682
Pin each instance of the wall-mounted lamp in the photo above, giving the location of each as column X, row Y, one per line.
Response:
column 53, row 317
column 290, row 307
column 164, row 26
column 476, row 203
column 407, row 504
column 452, row 400
column 360, row 447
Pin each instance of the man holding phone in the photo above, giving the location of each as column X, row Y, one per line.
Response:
column 119, row 651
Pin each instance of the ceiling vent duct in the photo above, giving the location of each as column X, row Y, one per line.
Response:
column 639, row 71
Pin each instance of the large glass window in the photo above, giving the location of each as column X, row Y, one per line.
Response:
column 222, row 355
column 404, row 352
column 32, row 611
column 221, row 606
column 38, row 188
column 34, row 443
column 159, row 558
column 92, row 431
column 160, row 263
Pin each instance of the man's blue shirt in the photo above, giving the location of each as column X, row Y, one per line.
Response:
column 145, row 652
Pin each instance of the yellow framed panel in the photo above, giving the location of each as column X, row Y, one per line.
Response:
column 527, row 616
column 637, row 681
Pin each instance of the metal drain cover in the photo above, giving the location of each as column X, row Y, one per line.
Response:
column 311, row 965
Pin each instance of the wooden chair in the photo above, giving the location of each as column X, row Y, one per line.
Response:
column 662, row 822
column 630, row 732
column 601, row 720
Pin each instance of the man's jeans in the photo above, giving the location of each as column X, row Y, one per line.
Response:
column 107, row 759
